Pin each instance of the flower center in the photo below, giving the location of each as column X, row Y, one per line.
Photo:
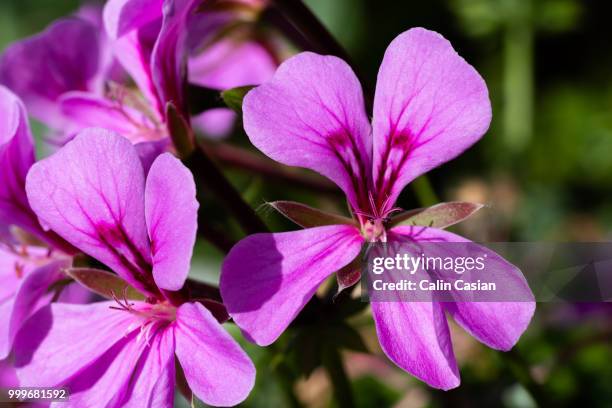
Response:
column 374, row 219
column 373, row 230
column 146, row 122
column 160, row 311
column 153, row 316
column 28, row 256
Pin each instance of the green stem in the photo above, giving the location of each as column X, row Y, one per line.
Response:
column 207, row 173
column 343, row 394
column 240, row 158
column 518, row 78
column 424, row 191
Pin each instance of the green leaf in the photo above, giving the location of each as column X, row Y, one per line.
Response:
column 180, row 131
column 202, row 99
column 104, row 283
column 233, row 97
column 308, row 217
column 438, row 216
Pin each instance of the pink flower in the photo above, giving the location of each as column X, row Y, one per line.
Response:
column 430, row 106
column 161, row 43
column 95, row 194
column 147, row 42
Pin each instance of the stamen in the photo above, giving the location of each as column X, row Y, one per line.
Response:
column 19, row 270
column 373, row 205
column 388, row 213
column 124, row 304
column 153, row 315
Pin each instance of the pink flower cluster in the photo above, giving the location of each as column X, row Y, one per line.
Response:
column 102, row 81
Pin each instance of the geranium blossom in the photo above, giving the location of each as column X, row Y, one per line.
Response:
column 81, row 92
column 430, row 106
column 147, row 42
column 27, row 270
column 161, row 43
column 95, row 194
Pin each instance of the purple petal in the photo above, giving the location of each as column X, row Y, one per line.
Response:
column 65, row 57
column 213, row 22
column 109, row 379
column 6, row 339
column 85, row 110
column 229, row 63
column 169, row 57
column 16, row 157
column 91, row 193
column 311, row 114
column 152, row 382
column 30, row 297
column 92, row 13
column 123, row 16
column 108, row 67
column 415, row 336
column 215, row 123
column 74, row 293
column 171, row 211
column 499, row 325
column 5, row 233
column 430, row 106
column 217, row 370
column 133, row 26
column 149, row 151
column 267, row 279
column 12, row 269
column 8, row 377
column 42, row 355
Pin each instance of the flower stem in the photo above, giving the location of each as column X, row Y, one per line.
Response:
column 207, row 173
column 518, row 77
column 424, row 191
column 332, row 361
column 243, row 159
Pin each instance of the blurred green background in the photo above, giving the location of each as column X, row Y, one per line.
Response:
column 544, row 169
